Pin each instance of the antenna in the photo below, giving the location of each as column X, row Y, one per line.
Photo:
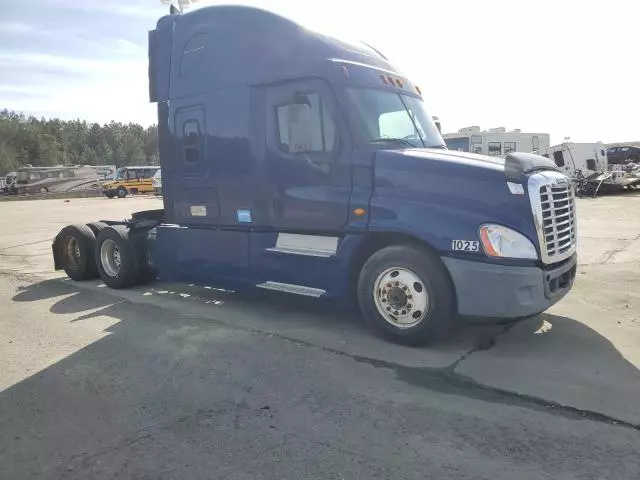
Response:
column 182, row 4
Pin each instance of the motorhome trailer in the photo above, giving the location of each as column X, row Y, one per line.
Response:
column 496, row 142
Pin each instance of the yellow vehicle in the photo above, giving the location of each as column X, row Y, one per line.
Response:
column 132, row 180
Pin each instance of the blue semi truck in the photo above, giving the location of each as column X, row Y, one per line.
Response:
column 298, row 163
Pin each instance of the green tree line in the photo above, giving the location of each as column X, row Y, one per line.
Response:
column 43, row 142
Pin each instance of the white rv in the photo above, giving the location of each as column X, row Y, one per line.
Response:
column 495, row 141
column 587, row 164
column 571, row 158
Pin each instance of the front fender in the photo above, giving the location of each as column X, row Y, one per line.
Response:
column 441, row 207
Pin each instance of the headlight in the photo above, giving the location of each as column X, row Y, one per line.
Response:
column 499, row 241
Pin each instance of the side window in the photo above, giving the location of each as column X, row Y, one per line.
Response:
column 305, row 125
column 591, row 164
column 535, row 143
column 558, row 158
column 495, row 149
column 509, row 147
column 476, row 144
column 191, row 141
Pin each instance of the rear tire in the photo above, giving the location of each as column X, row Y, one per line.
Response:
column 76, row 246
column 122, row 192
column 97, row 227
column 406, row 295
column 116, row 257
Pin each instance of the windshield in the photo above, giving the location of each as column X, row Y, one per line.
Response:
column 383, row 117
column 120, row 174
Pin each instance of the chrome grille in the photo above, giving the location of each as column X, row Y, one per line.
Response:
column 553, row 205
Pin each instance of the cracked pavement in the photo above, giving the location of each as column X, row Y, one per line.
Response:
column 175, row 381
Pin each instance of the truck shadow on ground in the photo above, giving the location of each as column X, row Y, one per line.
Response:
column 157, row 366
column 558, row 349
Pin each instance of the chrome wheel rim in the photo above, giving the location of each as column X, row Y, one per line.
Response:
column 110, row 257
column 401, row 297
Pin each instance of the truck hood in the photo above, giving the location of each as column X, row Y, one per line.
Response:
column 417, row 189
column 456, row 157
column 514, row 165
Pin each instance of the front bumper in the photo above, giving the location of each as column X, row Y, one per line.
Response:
column 500, row 291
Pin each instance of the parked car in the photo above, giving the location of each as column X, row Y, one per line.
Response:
column 623, row 154
column 156, row 181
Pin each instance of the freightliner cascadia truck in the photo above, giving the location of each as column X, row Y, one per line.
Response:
column 294, row 162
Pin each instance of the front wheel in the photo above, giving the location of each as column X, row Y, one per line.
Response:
column 122, row 192
column 406, row 295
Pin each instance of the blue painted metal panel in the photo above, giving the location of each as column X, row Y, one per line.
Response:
column 203, row 256
column 329, row 274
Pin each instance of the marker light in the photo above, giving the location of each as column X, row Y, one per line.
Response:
column 499, row 241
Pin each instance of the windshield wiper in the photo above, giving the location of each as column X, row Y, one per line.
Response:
column 443, row 147
column 393, row 140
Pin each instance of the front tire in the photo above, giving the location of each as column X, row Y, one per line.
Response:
column 122, row 192
column 116, row 257
column 406, row 295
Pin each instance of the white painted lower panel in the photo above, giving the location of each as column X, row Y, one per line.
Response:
column 296, row 289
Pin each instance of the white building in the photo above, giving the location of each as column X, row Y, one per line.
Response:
column 495, row 141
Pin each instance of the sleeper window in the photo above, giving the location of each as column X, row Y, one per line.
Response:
column 191, row 141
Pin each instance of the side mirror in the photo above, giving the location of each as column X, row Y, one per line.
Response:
column 437, row 122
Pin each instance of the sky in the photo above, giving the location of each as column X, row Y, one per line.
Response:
column 570, row 68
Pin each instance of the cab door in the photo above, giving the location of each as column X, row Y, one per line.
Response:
column 308, row 165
